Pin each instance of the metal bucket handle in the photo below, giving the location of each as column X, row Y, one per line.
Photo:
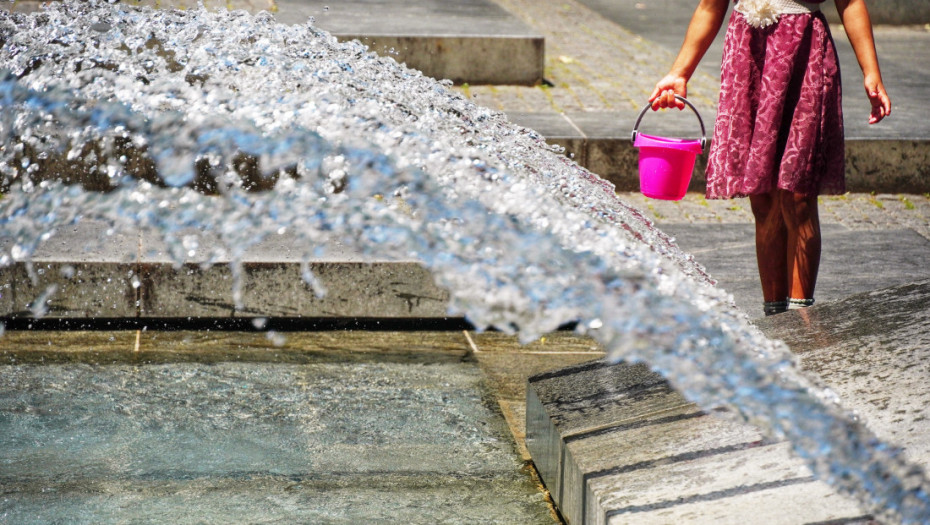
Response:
column 648, row 106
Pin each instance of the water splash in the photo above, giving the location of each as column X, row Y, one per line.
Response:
column 228, row 123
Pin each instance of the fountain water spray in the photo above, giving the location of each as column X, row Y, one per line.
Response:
column 242, row 128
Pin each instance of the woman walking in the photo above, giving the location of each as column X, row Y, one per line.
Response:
column 778, row 137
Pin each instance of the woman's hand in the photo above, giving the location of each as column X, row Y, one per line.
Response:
column 664, row 94
column 858, row 26
column 878, row 97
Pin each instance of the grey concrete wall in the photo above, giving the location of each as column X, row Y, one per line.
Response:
column 895, row 12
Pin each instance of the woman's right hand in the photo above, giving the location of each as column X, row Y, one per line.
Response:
column 664, row 94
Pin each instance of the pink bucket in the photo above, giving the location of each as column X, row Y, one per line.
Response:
column 665, row 164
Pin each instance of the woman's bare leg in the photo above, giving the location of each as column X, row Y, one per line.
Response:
column 804, row 243
column 771, row 245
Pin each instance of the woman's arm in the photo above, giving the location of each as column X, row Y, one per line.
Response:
column 858, row 26
column 705, row 23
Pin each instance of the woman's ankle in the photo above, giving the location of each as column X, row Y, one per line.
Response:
column 775, row 307
column 794, row 304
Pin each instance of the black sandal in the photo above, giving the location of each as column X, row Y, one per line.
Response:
column 774, row 307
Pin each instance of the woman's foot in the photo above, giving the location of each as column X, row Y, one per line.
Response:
column 774, row 307
column 794, row 304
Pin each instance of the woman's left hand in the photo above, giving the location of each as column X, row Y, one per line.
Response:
column 878, row 97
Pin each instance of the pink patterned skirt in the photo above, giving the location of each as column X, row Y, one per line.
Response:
column 780, row 118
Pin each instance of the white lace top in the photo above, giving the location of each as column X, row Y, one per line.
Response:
column 763, row 13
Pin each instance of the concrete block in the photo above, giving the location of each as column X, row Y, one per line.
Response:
column 93, row 274
column 85, row 270
column 558, row 130
column 464, row 59
column 888, row 165
column 577, row 402
column 672, row 491
column 272, row 284
column 877, row 160
column 785, row 502
column 610, row 152
column 376, row 289
column 470, row 41
column 72, row 290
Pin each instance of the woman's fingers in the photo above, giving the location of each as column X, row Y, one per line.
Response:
column 666, row 99
column 881, row 104
column 878, row 98
column 663, row 96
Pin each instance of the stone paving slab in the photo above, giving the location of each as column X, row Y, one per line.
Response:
column 853, row 262
column 873, row 348
column 756, row 485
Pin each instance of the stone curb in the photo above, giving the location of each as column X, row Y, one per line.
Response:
column 85, row 274
column 616, row 444
column 601, row 143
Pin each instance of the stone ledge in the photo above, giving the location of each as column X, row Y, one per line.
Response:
column 615, row 444
column 468, row 41
column 601, row 143
column 129, row 276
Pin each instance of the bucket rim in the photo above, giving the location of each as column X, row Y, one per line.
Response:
column 681, row 144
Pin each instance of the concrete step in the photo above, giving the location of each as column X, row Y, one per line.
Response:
column 876, row 159
column 467, row 41
column 615, row 444
column 87, row 273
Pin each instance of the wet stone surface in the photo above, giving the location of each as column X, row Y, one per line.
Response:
column 214, row 428
column 873, row 349
column 615, row 444
column 609, row 441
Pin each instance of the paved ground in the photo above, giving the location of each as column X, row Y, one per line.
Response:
column 870, row 242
